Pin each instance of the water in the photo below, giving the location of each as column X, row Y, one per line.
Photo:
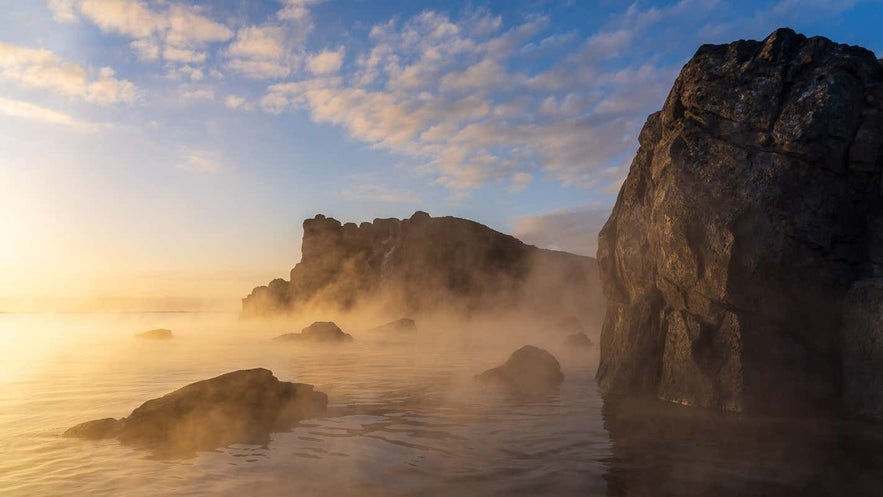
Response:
column 405, row 418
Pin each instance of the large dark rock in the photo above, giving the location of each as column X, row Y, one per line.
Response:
column 239, row 407
column 427, row 264
column 529, row 370
column 751, row 207
column 318, row 332
column 157, row 334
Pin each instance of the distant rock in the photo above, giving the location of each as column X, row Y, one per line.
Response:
column 578, row 340
column 399, row 326
column 239, row 407
column 319, row 332
column 570, row 324
column 529, row 370
column 751, row 208
column 157, row 334
column 427, row 264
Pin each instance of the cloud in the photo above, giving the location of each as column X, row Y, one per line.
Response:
column 170, row 31
column 32, row 112
column 200, row 161
column 377, row 192
column 518, row 182
column 571, row 230
column 41, row 69
column 236, row 102
column 326, row 62
column 444, row 96
column 261, row 52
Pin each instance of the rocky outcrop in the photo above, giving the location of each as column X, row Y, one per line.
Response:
column 318, row 332
column 427, row 264
column 752, row 206
column 528, row 371
column 397, row 327
column 239, row 407
column 578, row 340
column 157, row 334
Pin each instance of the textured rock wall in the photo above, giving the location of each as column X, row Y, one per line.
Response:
column 752, row 205
column 426, row 264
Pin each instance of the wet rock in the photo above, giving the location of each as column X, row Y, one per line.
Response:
column 751, row 207
column 529, row 370
column 319, row 332
column 239, row 407
column 157, row 334
column 399, row 326
column 578, row 340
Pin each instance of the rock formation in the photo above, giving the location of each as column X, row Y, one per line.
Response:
column 752, row 206
column 427, row 264
column 157, row 334
column 528, row 371
column 318, row 332
column 578, row 340
column 239, row 407
column 399, row 326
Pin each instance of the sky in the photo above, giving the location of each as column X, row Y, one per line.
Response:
column 166, row 152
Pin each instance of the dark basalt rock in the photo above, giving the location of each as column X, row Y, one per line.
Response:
column 239, row 407
column 529, row 371
column 425, row 263
column 320, row 332
column 157, row 334
column 752, row 206
column 399, row 326
column 578, row 340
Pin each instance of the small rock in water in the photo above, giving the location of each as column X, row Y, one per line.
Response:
column 320, row 331
column 157, row 334
column 239, row 407
column 529, row 371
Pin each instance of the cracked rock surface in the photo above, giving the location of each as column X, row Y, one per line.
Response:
column 752, row 207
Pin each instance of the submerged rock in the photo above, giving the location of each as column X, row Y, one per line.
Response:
column 239, row 407
column 529, row 370
column 398, row 326
column 320, row 331
column 157, row 334
column 578, row 340
column 752, row 206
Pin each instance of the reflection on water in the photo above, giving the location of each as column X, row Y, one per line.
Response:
column 405, row 419
column 661, row 449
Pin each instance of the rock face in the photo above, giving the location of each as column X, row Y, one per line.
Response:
column 399, row 326
column 157, row 334
column 318, row 332
column 423, row 263
column 752, row 206
column 529, row 371
column 862, row 342
column 239, row 407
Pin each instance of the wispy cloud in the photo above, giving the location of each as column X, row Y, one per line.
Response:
column 200, row 161
column 41, row 69
column 32, row 112
column 572, row 230
column 377, row 192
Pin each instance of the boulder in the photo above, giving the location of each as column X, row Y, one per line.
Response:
column 529, row 371
column 318, row 332
column 157, row 334
column 752, row 206
column 399, row 326
column 578, row 340
column 239, row 407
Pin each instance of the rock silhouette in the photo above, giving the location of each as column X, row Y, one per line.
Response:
column 399, row 326
column 157, row 334
column 529, row 371
column 239, row 407
column 751, row 208
column 578, row 340
column 426, row 264
column 320, row 331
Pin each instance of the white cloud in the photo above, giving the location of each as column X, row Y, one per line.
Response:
column 41, row 69
column 200, row 161
column 197, row 93
column 519, row 181
column 236, row 102
column 32, row 112
column 378, row 193
column 262, row 52
column 571, row 230
column 326, row 62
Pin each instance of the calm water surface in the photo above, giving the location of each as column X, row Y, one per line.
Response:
column 405, row 418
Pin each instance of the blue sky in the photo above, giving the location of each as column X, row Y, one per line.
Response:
column 168, row 148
